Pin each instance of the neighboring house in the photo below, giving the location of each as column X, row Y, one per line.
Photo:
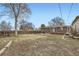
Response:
column 27, row 27
column 75, row 24
column 57, row 29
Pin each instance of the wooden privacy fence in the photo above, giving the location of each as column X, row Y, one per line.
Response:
column 11, row 33
column 54, row 30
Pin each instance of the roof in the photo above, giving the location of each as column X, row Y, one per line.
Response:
column 75, row 20
column 54, row 27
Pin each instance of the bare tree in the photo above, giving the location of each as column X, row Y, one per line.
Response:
column 16, row 10
column 4, row 26
column 9, row 26
column 30, row 25
column 24, row 25
column 57, row 21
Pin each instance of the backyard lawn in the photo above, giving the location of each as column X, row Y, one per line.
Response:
column 41, row 45
column 4, row 41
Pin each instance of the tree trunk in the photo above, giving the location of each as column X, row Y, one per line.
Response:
column 16, row 31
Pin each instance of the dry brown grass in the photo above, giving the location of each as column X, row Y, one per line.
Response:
column 43, row 45
column 3, row 42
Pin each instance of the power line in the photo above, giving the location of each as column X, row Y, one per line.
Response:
column 60, row 9
column 70, row 11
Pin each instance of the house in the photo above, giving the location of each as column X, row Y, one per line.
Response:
column 56, row 29
column 27, row 27
column 75, row 24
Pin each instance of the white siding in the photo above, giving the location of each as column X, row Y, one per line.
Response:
column 76, row 26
